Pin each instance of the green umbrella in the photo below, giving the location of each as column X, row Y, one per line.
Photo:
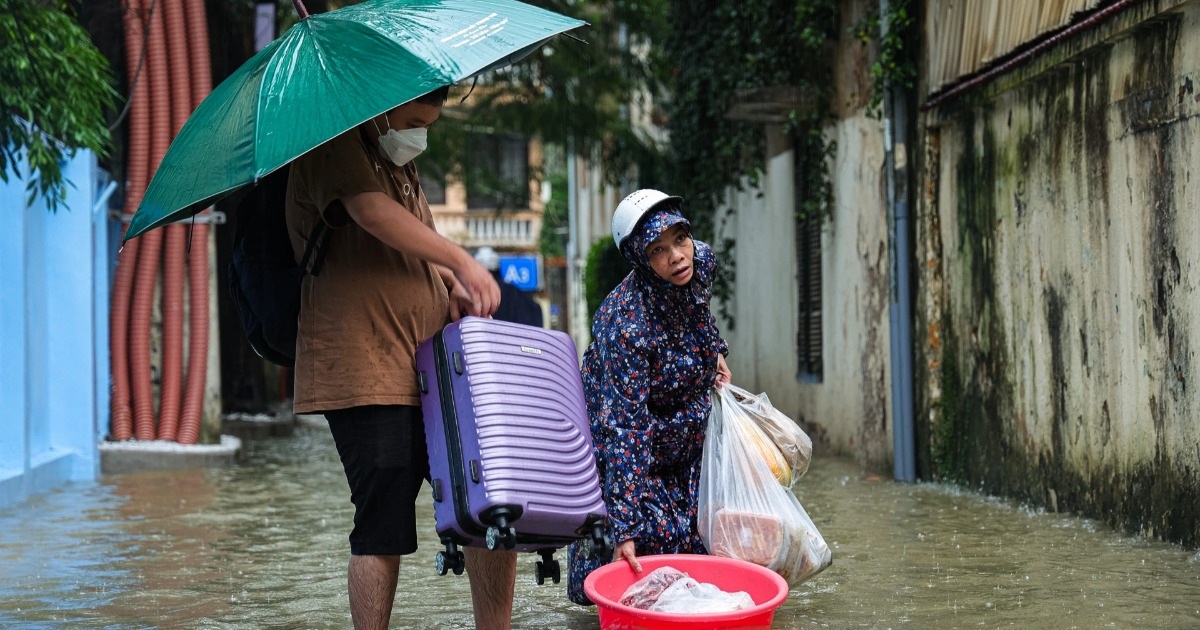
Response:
column 330, row 72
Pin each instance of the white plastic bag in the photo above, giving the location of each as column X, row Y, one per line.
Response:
column 744, row 511
column 793, row 444
column 692, row 597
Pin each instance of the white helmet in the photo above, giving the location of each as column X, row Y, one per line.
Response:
column 633, row 207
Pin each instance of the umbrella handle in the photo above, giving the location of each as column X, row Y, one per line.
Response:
column 300, row 10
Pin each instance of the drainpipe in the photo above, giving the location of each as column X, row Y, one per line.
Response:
column 895, row 123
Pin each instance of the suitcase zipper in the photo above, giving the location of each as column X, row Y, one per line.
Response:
column 458, row 481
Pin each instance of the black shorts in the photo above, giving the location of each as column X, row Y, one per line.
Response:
column 383, row 451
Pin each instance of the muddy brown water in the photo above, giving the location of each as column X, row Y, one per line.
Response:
column 263, row 545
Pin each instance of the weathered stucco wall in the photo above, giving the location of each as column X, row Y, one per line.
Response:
column 1058, row 301
column 852, row 403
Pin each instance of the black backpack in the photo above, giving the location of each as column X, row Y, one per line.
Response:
column 264, row 278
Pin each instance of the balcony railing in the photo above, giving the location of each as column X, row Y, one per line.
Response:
column 510, row 231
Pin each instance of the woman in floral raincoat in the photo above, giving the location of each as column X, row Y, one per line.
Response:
column 647, row 375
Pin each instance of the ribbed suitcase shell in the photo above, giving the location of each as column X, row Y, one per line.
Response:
column 506, row 427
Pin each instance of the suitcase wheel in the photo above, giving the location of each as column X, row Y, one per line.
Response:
column 548, row 567
column 599, row 544
column 453, row 561
column 553, row 572
column 497, row 536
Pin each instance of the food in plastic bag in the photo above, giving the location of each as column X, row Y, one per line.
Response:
column 757, row 538
column 667, row 589
column 644, row 592
column 743, row 511
column 773, row 457
column 793, row 444
column 806, row 553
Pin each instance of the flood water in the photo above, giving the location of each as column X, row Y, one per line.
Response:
column 263, row 545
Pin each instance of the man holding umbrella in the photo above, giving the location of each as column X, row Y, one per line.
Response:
column 388, row 282
column 311, row 101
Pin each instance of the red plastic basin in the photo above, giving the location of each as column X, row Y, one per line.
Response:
column 605, row 585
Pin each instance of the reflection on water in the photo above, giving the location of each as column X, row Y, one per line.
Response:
column 263, row 545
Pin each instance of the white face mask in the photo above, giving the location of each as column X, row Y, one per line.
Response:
column 402, row 146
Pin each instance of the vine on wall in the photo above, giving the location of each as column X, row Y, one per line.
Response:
column 894, row 64
column 719, row 48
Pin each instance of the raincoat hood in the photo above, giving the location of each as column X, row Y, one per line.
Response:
column 633, row 250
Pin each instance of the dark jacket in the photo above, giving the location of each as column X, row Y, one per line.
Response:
column 516, row 306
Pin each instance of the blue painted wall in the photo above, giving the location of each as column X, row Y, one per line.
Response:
column 55, row 274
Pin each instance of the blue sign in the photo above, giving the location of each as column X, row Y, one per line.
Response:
column 521, row 272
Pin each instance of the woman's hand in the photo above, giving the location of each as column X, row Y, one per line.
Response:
column 724, row 376
column 627, row 551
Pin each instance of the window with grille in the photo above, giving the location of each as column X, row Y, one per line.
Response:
column 498, row 172
column 810, row 358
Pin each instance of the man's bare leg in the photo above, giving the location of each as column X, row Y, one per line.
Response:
column 372, row 582
column 492, row 575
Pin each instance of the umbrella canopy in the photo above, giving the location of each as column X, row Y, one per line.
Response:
column 328, row 73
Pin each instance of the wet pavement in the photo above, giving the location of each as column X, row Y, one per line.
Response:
column 263, row 545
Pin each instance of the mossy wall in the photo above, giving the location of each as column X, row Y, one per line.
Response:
column 1058, row 287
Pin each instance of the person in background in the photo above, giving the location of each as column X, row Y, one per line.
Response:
column 515, row 305
column 389, row 282
column 655, row 356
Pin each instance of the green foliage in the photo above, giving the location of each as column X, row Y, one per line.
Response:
column 604, row 270
column 743, row 45
column 893, row 67
column 54, row 89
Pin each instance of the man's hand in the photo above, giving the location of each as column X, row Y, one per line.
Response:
column 460, row 300
column 627, row 551
column 724, row 376
column 475, row 290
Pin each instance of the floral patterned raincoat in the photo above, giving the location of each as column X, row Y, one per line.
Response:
column 647, row 377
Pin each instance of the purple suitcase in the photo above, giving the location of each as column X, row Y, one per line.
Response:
column 510, row 449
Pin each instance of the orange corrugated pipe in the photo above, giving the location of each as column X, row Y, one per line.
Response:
column 197, row 369
column 174, row 255
column 135, row 186
column 151, row 248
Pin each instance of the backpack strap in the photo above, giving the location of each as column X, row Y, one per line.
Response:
column 314, row 252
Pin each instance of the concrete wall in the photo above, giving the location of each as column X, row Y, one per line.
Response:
column 54, row 384
column 1058, row 302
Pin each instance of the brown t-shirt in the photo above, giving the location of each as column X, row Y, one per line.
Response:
column 363, row 316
